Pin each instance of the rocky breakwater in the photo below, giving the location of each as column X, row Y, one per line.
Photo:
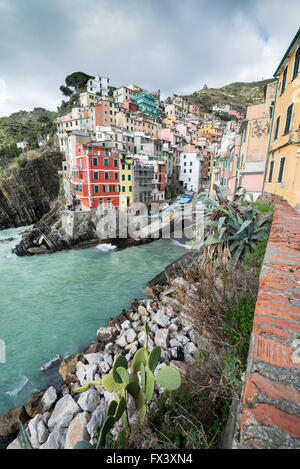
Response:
column 62, row 229
column 58, row 419
column 26, row 194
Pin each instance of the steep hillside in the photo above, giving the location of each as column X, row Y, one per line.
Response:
column 26, row 194
column 27, row 126
column 239, row 95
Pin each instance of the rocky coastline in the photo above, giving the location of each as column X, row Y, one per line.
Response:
column 27, row 194
column 58, row 418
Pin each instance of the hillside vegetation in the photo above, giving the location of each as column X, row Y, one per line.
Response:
column 239, row 95
column 23, row 125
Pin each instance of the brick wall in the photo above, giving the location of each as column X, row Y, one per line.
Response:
column 270, row 413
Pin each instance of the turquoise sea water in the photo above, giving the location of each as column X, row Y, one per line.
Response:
column 53, row 304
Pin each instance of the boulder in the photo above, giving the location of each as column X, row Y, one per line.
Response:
column 64, row 411
column 49, row 398
column 56, row 439
column 98, row 414
column 33, row 432
column 16, row 444
column 121, row 341
column 108, row 358
column 42, row 432
column 33, row 405
column 104, row 367
column 77, row 430
column 94, row 358
column 89, row 400
column 162, row 338
column 68, row 367
column 182, row 339
column 104, row 334
column 85, row 373
column 142, row 310
column 130, row 335
column 9, row 422
column 125, row 325
column 190, row 348
column 161, row 319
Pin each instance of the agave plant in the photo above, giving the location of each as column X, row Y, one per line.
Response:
column 231, row 229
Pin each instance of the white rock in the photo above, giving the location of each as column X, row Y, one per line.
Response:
column 176, row 321
column 56, row 439
column 190, row 348
column 85, row 373
column 108, row 396
column 125, row 325
column 48, row 399
column 77, row 430
column 173, row 328
column 16, row 444
column 96, row 417
column 108, row 358
column 188, row 358
column 175, row 343
column 161, row 319
column 162, row 338
column 32, row 427
column 182, row 339
column 174, row 353
column 131, row 336
column 104, row 367
column 64, row 411
column 121, row 341
column 42, row 431
column 94, row 358
column 89, row 400
column 153, row 327
column 104, row 334
column 142, row 310
column 136, row 317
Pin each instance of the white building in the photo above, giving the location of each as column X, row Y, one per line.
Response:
column 98, row 84
column 222, row 108
column 123, row 94
column 191, row 165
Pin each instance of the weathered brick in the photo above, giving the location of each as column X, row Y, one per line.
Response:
column 272, row 352
column 258, row 384
column 271, row 331
column 265, row 414
column 263, row 309
column 277, row 322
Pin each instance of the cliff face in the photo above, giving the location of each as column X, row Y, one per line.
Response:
column 25, row 195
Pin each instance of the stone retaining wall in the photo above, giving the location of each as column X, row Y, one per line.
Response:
column 270, row 413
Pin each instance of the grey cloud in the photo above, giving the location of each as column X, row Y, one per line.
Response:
column 173, row 45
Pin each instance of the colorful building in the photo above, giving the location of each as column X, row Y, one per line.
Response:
column 126, row 181
column 254, row 144
column 282, row 177
column 105, row 112
column 96, row 175
column 147, row 103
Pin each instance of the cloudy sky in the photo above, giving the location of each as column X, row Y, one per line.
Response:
column 176, row 46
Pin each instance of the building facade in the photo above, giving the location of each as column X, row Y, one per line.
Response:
column 282, row 177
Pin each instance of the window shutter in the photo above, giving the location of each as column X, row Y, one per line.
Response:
column 281, row 168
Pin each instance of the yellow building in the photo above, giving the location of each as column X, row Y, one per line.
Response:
column 206, row 129
column 282, row 176
column 170, row 122
column 126, row 179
